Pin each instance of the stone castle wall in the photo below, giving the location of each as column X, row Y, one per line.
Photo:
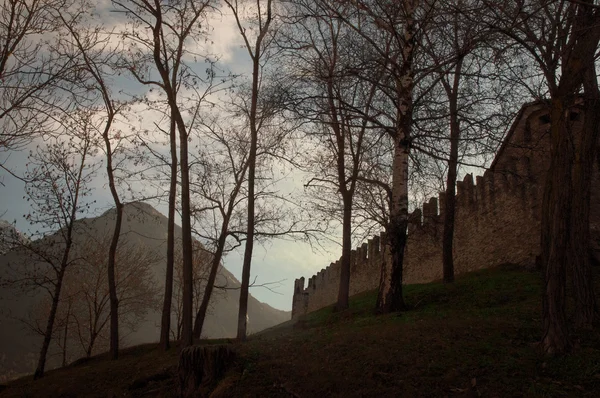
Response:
column 498, row 220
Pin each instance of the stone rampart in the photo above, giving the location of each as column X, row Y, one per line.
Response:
column 498, row 220
column 323, row 287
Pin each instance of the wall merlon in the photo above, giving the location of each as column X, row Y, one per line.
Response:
column 336, row 267
column 363, row 251
column 414, row 220
column 442, row 202
column 374, row 252
column 468, row 180
column 433, row 205
column 321, row 275
column 430, row 211
column 469, row 188
column 426, row 212
column 299, row 285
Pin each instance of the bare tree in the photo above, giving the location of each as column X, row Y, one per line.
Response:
column 202, row 269
column 218, row 188
column 136, row 288
column 150, row 152
column 174, row 29
column 392, row 29
column 586, row 309
column 83, row 312
column 256, row 45
column 32, row 73
column 98, row 57
column 325, row 55
column 465, row 95
column 562, row 38
column 165, row 325
column 57, row 178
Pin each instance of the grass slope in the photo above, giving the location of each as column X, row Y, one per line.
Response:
column 476, row 337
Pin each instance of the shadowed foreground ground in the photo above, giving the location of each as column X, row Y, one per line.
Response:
column 476, row 337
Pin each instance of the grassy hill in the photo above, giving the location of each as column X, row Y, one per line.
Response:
column 476, row 337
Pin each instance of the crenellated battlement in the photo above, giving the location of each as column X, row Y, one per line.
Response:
column 365, row 261
column 497, row 220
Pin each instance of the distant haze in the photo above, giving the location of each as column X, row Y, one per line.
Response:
column 144, row 227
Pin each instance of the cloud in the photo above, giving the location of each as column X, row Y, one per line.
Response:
column 281, row 261
column 225, row 36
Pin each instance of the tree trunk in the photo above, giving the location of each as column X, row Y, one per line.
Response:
column 586, row 310
column 344, row 287
column 186, row 230
column 39, row 371
column 450, row 206
column 90, row 347
column 200, row 367
column 112, row 251
column 201, row 315
column 64, row 351
column 390, row 297
column 165, row 325
column 243, row 309
column 179, row 326
column 449, row 212
column 170, row 89
column 112, row 284
column 556, row 222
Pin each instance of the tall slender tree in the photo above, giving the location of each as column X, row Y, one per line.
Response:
column 256, row 47
column 98, row 58
column 57, row 186
column 219, row 192
column 173, row 27
column 395, row 41
column 326, row 56
column 586, row 308
column 463, row 96
column 165, row 324
column 562, row 38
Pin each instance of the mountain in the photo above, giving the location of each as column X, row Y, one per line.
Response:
column 144, row 231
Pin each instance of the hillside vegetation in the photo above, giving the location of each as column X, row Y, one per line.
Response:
column 476, row 337
column 143, row 238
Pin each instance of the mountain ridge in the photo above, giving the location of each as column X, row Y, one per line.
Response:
column 143, row 227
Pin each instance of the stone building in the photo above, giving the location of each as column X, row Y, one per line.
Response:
column 498, row 219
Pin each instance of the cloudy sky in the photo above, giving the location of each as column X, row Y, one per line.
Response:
column 277, row 260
